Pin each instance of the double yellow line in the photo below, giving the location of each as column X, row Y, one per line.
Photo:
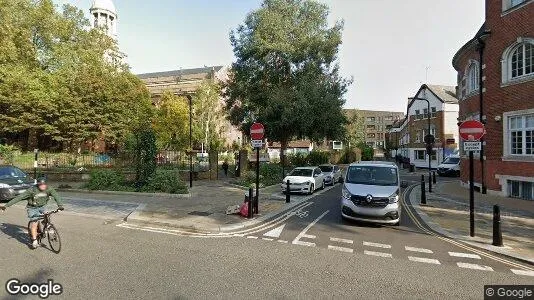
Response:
column 412, row 216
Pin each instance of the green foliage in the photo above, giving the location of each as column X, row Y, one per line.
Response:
column 171, row 122
column 165, row 181
column 348, row 156
column 367, row 152
column 145, row 156
column 271, row 173
column 7, row 154
column 298, row 159
column 316, row 158
column 208, row 116
column 110, row 180
column 355, row 128
column 286, row 74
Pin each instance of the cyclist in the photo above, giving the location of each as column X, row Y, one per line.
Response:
column 37, row 198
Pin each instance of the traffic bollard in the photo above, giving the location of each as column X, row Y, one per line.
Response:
column 497, row 233
column 288, row 192
column 423, row 190
column 434, row 179
column 250, row 208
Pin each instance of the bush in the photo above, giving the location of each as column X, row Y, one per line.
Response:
column 7, row 154
column 297, row 160
column 316, row 158
column 348, row 156
column 107, row 180
column 165, row 181
column 271, row 173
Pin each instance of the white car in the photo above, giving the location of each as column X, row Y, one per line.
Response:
column 305, row 180
column 450, row 166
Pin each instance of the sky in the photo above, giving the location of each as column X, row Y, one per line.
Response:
column 390, row 47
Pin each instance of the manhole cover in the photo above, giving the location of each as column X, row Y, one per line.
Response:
column 200, row 213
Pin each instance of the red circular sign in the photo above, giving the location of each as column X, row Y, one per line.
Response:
column 257, row 131
column 472, row 130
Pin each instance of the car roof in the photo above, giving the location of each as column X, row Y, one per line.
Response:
column 306, row 168
column 375, row 164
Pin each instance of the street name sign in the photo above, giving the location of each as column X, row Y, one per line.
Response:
column 256, row 143
column 472, row 130
column 472, row 146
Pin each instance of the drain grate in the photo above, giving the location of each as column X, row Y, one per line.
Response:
column 200, row 213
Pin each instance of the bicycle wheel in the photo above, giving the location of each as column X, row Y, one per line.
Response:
column 53, row 238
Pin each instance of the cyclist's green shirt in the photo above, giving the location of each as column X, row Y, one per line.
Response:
column 37, row 198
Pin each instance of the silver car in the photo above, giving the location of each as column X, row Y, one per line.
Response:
column 332, row 174
column 304, row 180
column 371, row 193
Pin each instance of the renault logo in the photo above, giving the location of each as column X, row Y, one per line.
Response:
column 369, row 198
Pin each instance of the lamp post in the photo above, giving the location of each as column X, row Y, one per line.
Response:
column 481, row 40
column 190, row 140
column 429, row 145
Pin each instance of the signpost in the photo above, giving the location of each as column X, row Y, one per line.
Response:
column 257, row 133
column 429, row 141
column 471, row 132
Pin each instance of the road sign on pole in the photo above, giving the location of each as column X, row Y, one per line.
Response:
column 472, row 146
column 257, row 131
column 472, row 130
column 256, row 143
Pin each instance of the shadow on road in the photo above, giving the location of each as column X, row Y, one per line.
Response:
column 20, row 233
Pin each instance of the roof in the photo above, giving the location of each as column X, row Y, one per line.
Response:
column 306, row 168
column 444, row 92
column 180, row 72
column 471, row 43
column 104, row 5
column 374, row 163
column 293, row 144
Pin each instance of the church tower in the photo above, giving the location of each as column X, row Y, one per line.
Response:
column 104, row 15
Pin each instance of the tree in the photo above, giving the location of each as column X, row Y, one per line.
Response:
column 355, row 128
column 171, row 122
column 286, row 74
column 208, row 115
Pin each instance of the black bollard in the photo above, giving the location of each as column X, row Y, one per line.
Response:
column 434, row 179
column 250, row 208
column 423, row 190
column 288, row 192
column 497, row 233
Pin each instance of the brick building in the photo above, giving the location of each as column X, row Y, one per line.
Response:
column 406, row 137
column 499, row 61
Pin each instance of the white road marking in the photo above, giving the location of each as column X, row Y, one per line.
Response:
column 374, row 253
column 466, row 255
column 266, row 239
column 252, row 237
column 523, row 272
column 376, row 245
column 239, row 235
column 275, row 233
column 282, row 241
column 303, row 234
column 334, row 239
column 414, row 249
column 342, row 249
column 424, row 260
column 474, row 266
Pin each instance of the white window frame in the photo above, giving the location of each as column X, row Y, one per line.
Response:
column 507, row 136
column 506, row 62
column 473, row 78
column 416, row 156
column 509, row 4
column 433, row 112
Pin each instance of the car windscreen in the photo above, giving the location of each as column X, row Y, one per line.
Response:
column 301, row 172
column 372, row 175
column 11, row 172
column 326, row 168
column 452, row 160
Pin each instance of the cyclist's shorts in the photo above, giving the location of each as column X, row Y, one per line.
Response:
column 35, row 212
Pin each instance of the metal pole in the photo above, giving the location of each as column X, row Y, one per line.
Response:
column 190, row 140
column 36, row 152
column 423, row 192
column 249, row 204
column 257, row 198
column 434, row 179
column 288, row 192
column 482, row 45
column 471, row 196
column 430, row 152
column 497, row 233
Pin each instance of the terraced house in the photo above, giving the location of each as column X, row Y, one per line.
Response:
column 496, row 85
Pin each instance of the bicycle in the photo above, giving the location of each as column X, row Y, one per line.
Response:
column 46, row 228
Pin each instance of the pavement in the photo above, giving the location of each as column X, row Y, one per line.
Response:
column 306, row 252
column 447, row 212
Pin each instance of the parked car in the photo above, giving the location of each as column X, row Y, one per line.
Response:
column 332, row 174
column 450, row 166
column 305, row 180
column 13, row 181
column 371, row 192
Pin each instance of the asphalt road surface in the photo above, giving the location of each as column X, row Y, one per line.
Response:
column 307, row 253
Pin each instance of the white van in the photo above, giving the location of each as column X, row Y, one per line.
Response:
column 450, row 166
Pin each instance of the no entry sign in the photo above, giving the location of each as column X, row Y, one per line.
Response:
column 257, row 131
column 472, row 130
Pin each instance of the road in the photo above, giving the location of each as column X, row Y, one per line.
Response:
column 306, row 253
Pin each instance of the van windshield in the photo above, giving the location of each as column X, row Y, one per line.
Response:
column 372, row 175
column 452, row 160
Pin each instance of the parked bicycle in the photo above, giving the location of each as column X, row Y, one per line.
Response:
column 45, row 229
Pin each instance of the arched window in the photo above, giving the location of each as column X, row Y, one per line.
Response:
column 472, row 78
column 518, row 61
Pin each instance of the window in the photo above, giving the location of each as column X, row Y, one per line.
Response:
column 425, row 112
column 472, row 78
column 521, row 189
column 371, row 135
column 418, row 137
column 420, row 154
column 518, row 61
column 371, row 127
column 516, row 2
column 371, row 119
column 418, row 115
column 521, row 135
column 433, row 112
column 433, row 130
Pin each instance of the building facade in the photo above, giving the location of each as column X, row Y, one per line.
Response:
column 376, row 124
column 496, row 85
column 406, row 137
column 104, row 16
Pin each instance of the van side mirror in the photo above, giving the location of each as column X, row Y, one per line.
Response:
column 404, row 184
